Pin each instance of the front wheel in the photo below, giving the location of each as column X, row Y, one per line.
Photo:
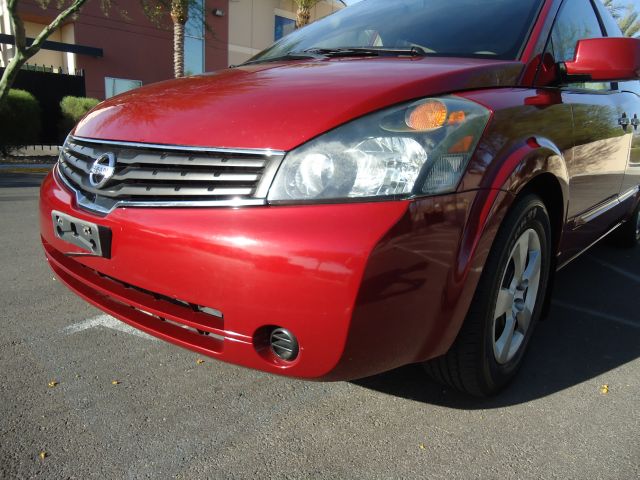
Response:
column 506, row 306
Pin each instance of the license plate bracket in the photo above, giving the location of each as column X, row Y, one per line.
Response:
column 93, row 239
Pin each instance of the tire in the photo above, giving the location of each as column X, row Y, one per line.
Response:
column 628, row 235
column 482, row 361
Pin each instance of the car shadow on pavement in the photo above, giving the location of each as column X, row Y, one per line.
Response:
column 593, row 328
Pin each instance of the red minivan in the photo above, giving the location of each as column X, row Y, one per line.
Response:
column 396, row 183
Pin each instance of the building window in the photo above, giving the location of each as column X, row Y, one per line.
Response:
column 115, row 86
column 284, row 26
column 194, row 39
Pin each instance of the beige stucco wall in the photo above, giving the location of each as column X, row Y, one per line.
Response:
column 47, row 58
column 67, row 34
column 252, row 23
column 5, row 27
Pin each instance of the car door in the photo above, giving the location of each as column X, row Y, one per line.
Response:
column 632, row 110
column 597, row 162
column 629, row 116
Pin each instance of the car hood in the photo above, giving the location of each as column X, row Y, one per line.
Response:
column 281, row 105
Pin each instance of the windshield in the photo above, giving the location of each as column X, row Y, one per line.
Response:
column 456, row 28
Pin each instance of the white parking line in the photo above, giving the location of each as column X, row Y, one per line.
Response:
column 594, row 313
column 106, row 321
column 618, row 270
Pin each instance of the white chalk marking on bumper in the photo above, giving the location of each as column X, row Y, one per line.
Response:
column 106, row 321
column 594, row 313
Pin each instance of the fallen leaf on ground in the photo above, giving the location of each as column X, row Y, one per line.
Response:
column 604, row 389
column 43, row 455
column 52, row 384
column 199, row 361
column 422, row 446
column 115, row 382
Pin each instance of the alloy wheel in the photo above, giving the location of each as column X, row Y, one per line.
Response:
column 517, row 296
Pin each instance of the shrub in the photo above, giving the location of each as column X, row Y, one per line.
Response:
column 20, row 121
column 73, row 109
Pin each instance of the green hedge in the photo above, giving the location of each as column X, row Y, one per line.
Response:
column 73, row 109
column 20, row 121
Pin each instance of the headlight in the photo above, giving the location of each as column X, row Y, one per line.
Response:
column 420, row 148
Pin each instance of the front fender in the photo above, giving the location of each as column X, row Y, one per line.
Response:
column 537, row 156
column 500, row 188
column 421, row 277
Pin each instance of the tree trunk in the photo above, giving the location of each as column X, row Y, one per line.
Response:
column 24, row 53
column 179, row 15
column 304, row 16
column 178, row 49
column 10, row 74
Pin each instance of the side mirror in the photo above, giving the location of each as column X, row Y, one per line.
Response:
column 604, row 60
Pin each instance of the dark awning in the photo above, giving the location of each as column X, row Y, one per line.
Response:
column 57, row 46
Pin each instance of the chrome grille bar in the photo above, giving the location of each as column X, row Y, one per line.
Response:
column 183, row 175
column 167, row 175
column 165, row 158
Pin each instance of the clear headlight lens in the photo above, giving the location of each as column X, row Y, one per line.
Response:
column 421, row 148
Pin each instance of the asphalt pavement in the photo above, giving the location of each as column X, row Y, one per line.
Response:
column 84, row 396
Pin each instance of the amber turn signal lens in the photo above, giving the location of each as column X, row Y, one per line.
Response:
column 428, row 116
column 463, row 145
column 456, row 117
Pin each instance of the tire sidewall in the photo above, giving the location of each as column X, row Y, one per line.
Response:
column 627, row 236
column 530, row 213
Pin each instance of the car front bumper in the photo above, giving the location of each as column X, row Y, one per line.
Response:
column 365, row 287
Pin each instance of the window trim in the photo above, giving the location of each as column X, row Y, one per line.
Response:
column 603, row 27
column 113, row 79
column 529, row 34
column 200, row 38
column 282, row 14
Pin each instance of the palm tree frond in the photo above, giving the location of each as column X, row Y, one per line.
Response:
column 630, row 23
column 613, row 8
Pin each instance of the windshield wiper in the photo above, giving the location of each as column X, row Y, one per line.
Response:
column 342, row 52
column 287, row 56
column 368, row 51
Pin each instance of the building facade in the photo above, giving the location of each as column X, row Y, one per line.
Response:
column 121, row 49
column 256, row 24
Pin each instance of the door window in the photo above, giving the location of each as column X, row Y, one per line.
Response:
column 576, row 21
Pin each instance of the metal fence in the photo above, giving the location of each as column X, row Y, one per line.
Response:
column 32, row 67
column 37, row 151
column 50, row 88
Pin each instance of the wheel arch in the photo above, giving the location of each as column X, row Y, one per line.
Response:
column 536, row 167
column 547, row 186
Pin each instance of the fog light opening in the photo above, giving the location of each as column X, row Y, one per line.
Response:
column 284, row 344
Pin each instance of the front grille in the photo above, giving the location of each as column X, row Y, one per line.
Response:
column 156, row 175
